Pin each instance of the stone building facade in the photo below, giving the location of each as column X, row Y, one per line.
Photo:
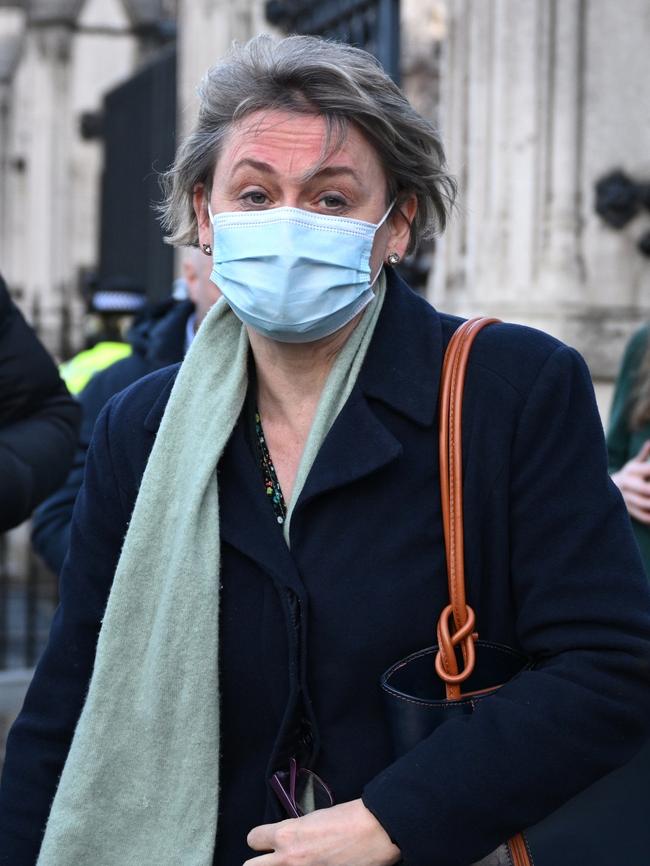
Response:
column 58, row 58
column 541, row 99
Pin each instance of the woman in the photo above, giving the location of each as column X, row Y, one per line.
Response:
column 252, row 610
column 628, row 437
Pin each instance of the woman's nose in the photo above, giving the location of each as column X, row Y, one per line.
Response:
column 289, row 199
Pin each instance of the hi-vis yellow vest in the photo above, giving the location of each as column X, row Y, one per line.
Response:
column 77, row 372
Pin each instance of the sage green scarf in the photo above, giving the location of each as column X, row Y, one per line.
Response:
column 140, row 786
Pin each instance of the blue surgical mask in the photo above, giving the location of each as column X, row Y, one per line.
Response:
column 293, row 275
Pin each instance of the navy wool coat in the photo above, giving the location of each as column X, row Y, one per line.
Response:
column 306, row 633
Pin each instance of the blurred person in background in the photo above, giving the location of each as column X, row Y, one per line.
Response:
column 160, row 337
column 38, row 419
column 111, row 309
column 628, row 437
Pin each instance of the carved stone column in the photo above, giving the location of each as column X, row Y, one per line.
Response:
column 68, row 58
column 11, row 27
column 541, row 98
column 207, row 29
column 46, row 245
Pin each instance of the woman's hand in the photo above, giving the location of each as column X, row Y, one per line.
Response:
column 633, row 480
column 344, row 835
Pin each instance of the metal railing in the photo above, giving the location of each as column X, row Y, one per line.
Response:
column 370, row 24
column 28, row 597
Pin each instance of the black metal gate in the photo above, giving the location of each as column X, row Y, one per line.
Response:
column 139, row 142
column 369, row 24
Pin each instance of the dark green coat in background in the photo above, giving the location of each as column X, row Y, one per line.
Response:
column 623, row 443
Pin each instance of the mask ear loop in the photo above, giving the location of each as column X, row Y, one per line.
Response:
column 377, row 227
column 211, row 215
column 385, row 216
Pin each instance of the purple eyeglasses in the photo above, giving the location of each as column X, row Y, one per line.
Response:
column 300, row 791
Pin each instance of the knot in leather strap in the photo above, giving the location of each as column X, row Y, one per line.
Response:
column 446, row 662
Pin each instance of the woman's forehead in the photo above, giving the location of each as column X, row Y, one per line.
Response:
column 294, row 144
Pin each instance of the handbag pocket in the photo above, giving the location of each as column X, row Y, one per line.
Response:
column 414, row 698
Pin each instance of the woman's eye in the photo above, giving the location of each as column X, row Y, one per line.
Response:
column 331, row 202
column 255, row 197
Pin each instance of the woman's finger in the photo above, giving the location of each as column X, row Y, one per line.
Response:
column 639, row 494
column 264, row 837
column 637, row 469
column 640, row 514
column 637, row 500
column 637, row 484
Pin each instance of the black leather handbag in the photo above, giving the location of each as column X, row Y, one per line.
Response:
column 606, row 825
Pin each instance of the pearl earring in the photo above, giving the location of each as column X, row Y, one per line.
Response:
column 394, row 258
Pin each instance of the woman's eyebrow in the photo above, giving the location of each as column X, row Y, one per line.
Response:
column 332, row 171
column 247, row 162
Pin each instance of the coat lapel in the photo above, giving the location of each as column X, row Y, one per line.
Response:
column 357, row 445
column 408, row 339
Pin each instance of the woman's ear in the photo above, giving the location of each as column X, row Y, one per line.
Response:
column 399, row 225
column 204, row 225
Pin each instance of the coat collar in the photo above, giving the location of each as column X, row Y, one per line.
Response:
column 404, row 360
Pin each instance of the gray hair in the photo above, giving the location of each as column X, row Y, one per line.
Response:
column 308, row 75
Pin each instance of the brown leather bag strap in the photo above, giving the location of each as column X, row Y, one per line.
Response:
column 456, row 626
column 457, row 621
